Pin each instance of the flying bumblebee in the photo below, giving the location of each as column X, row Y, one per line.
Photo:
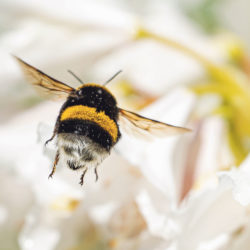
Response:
column 87, row 127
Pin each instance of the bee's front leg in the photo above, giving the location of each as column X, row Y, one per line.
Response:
column 54, row 165
column 54, row 132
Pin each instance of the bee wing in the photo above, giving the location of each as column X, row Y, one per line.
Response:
column 46, row 85
column 146, row 128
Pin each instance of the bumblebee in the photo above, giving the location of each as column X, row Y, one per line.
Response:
column 87, row 127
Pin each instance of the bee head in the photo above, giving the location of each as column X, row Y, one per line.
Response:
column 97, row 96
column 95, row 93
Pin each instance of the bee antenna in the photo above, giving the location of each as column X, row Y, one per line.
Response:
column 110, row 79
column 73, row 74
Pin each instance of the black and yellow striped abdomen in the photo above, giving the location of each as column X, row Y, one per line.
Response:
column 91, row 112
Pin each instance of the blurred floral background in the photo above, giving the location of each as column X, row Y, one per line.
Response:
column 184, row 62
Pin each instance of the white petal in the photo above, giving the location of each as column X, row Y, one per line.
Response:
column 239, row 180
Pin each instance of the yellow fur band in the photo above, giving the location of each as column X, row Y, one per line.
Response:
column 90, row 114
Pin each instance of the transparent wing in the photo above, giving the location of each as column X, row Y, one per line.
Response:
column 145, row 128
column 44, row 84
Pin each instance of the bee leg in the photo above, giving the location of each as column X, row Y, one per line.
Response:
column 82, row 177
column 96, row 174
column 50, row 139
column 54, row 133
column 54, row 165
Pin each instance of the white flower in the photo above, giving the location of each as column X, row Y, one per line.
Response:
column 239, row 179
